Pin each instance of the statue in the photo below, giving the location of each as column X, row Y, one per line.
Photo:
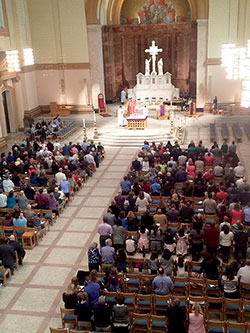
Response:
column 147, row 67
column 160, row 67
column 153, row 51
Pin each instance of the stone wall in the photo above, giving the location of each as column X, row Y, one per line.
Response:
column 124, row 54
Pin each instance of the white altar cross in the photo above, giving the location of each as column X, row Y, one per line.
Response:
column 153, row 51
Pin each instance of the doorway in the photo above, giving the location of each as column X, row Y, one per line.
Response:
column 6, row 110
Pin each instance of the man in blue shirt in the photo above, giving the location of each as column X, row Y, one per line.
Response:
column 93, row 289
column 162, row 284
column 65, row 187
column 156, row 188
column 246, row 215
column 125, row 186
column 108, row 256
column 181, row 175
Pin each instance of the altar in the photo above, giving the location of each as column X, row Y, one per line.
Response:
column 137, row 122
column 153, row 85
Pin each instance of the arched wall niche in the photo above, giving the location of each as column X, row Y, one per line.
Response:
column 198, row 8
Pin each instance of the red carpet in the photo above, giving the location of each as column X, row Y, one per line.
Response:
column 105, row 115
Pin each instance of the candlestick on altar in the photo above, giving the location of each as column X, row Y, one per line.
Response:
column 171, row 128
column 84, row 130
column 94, row 117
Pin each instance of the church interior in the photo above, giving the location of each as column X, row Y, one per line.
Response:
column 114, row 74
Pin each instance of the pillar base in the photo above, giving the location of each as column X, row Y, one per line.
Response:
column 3, row 144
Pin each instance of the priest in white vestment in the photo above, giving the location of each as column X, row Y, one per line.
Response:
column 120, row 116
column 123, row 96
column 145, row 112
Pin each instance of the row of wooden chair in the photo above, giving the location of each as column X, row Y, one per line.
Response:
column 156, row 304
column 138, row 321
column 158, row 323
column 66, row 330
column 182, row 285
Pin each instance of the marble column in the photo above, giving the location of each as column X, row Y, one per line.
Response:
column 201, row 86
column 96, row 62
column 3, row 131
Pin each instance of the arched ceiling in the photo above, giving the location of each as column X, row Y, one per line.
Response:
column 112, row 10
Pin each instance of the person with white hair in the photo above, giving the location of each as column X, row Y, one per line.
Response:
column 239, row 171
column 108, row 256
column 102, row 315
column 22, row 200
column 8, row 185
column 60, row 176
column 28, row 212
column 18, row 248
column 3, row 199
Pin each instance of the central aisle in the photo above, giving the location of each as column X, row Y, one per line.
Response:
column 31, row 301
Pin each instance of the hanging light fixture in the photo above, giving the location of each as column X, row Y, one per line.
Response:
column 232, row 58
column 245, row 96
column 236, row 61
column 13, row 61
column 28, row 57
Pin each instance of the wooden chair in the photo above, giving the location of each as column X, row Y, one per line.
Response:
column 140, row 322
column 137, row 261
column 196, row 299
column 68, row 317
column 48, row 215
column 212, row 288
column 245, row 309
column 194, row 267
column 180, row 285
column 216, row 326
column 196, row 287
column 245, row 290
column 110, row 297
column 133, row 234
column 235, row 327
column 161, row 303
column 16, row 265
column 158, row 323
column 129, row 300
column 232, row 306
column 132, row 282
column 210, row 218
column 58, row 330
column 78, row 331
column 19, row 232
column 173, row 226
column 7, row 231
column 4, row 272
column 144, row 303
column 215, row 305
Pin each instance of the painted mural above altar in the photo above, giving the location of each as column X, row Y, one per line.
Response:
column 155, row 11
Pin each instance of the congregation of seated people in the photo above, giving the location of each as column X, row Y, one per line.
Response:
column 180, row 214
column 37, row 180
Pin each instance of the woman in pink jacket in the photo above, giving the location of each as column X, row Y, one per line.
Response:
column 196, row 320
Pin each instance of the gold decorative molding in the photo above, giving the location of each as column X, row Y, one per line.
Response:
column 91, row 11
column 213, row 62
column 62, row 66
column 27, row 69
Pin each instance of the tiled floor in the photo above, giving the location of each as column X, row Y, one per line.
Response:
column 32, row 299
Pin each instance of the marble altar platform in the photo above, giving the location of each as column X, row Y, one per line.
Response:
column 154, row 86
